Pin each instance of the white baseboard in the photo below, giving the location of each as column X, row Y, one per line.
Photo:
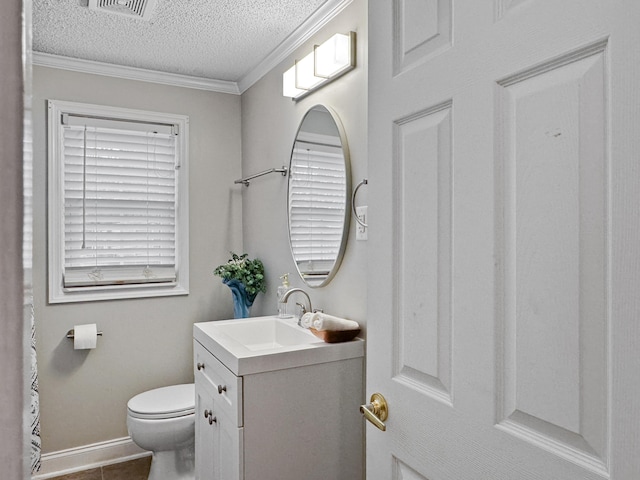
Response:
column 86, row 457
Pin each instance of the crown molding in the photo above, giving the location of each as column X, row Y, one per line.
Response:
column 304, row 32
column 132, row 73
column 300, row 35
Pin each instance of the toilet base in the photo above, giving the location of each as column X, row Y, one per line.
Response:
column 173, row 465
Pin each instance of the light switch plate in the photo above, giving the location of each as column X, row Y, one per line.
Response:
column 361, row 232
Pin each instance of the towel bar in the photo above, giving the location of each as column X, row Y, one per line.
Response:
column 245, row 181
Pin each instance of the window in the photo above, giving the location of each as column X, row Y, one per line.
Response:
column 118, row 204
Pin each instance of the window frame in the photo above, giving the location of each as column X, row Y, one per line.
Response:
column 57, row 292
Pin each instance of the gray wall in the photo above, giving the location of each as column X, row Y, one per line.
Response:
column 269, row 125
column 146, row 342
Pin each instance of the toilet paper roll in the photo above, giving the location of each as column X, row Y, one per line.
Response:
column 85, row 336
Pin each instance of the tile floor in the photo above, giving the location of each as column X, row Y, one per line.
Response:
column 133, row 470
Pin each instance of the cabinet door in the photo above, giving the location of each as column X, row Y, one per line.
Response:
column 205, row 434
column 219, row 436
column 227, row 387
column 229, row 449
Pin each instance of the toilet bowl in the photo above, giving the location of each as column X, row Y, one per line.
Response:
column 163, row 421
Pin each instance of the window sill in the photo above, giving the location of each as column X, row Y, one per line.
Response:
column 115, row 292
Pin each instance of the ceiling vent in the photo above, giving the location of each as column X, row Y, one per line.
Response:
column 142, row 9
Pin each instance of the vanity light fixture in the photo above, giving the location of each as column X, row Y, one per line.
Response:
column 325, row 63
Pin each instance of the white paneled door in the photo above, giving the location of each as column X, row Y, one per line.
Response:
column 504, row 187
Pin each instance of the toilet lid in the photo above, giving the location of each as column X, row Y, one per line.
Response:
column 165, row 402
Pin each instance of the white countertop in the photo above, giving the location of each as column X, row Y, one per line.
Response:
column 237, row 345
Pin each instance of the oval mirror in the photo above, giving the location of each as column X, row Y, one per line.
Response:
column 319, row 196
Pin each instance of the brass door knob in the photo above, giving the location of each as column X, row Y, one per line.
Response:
column 376, row 411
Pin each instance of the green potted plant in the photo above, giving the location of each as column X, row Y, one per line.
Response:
column 245, row 278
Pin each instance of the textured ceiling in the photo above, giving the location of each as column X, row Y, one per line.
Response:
column 214, row 39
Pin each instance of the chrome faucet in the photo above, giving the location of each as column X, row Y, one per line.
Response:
column 291, row 291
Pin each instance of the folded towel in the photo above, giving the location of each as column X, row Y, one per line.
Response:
column 329, row 322
column 307, row 319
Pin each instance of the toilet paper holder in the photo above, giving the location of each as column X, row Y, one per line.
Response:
column 71, row 334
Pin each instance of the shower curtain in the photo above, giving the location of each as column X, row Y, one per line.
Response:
column 36, row 445
column 27, row 261
column 29, row 312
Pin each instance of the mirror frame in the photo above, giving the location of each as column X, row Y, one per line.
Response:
column 347, row 201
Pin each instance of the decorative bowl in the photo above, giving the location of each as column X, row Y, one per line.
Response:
column 335, row 336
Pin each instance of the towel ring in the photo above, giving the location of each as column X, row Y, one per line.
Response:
column 353, row 201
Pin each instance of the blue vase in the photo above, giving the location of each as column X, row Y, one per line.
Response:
column 242, row 301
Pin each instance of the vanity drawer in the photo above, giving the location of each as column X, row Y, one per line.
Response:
column 227, row 388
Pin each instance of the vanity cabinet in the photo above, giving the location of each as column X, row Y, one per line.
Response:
column 283, row 424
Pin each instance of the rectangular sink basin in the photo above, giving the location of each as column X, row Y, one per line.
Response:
column 260, row 344
column 266, row 334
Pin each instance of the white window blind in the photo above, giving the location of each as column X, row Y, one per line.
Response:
column 120, row 203
column 317, row 205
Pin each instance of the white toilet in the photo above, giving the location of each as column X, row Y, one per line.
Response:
column 163, row 421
